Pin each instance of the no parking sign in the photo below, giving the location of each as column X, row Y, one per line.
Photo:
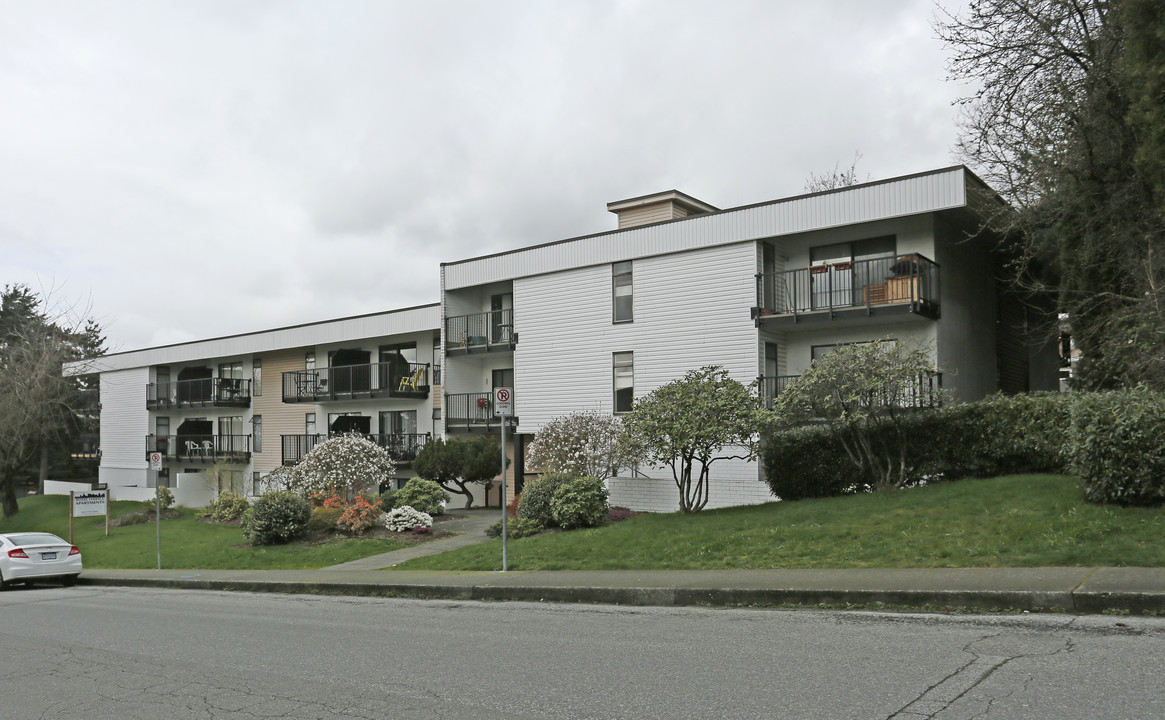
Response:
column 503, row 401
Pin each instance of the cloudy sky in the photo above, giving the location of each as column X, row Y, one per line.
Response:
column 195, row 169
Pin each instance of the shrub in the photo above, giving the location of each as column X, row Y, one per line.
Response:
column 165, row 499
column 345, row 464
column 276, row 517
column 406, row 518
column 227, row 506
column 1000, row 435
column 1117, row 446
column 807, row 462
column 512, row 506
column 323, row 519
column 534, row 502
column 582, row 502
column 515, row 529
column 423, row 495
column 616, row 514
column 359, row 517
column 387, row 499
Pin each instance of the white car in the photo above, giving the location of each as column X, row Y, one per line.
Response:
column 31, row 556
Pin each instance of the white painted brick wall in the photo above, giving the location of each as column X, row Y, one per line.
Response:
column 733, row 482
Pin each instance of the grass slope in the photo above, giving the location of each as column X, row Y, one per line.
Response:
column 1016, row 521
column 186, row 542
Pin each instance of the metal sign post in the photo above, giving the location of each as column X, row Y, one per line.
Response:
column 156, row 467
column 504, row 408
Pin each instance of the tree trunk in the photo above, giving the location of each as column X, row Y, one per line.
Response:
column 8, row 496
column 44, row 467
column 461, row 490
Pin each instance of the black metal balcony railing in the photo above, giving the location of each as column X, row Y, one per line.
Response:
column 910, row 281
column 356, row 382
column 493, row 330
column 401, row 447
column 86, row 447
column 924, row 392
column 773, row 385
column 471, row 410
column 205, row 392
column 200, row 448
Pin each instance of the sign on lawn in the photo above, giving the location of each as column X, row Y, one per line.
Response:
column 89, row 504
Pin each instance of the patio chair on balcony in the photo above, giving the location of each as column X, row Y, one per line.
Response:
column 193, row 448
column 411, row 381
column 207, row 448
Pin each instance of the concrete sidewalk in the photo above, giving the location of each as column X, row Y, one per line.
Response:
column 1068, row 590
column 471, row 524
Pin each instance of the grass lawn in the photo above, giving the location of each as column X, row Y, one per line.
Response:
column 186, row 542
column 1015, row 521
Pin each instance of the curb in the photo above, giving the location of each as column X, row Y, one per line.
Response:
column 1071, row 602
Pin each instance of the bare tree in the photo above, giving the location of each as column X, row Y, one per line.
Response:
column 1062, row 121
column 38, row 403
column 836, row 178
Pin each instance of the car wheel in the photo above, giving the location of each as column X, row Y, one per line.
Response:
column 69, row 581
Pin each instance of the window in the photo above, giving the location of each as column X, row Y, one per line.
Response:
column 309, row 361
column 398, row 422
column 256, row 484
column 257, row 433
column 309, row 423
column 503, row 378
column 232, row 370
column 621, row 292
column 624, row 381
column 256, row 377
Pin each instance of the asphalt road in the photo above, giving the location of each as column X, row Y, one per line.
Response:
column 139, row 653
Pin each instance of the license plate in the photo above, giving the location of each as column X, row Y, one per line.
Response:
column 48, row 556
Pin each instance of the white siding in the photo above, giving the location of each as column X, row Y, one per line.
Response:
column 691, row 309
column 928, row 192
column 124, row 426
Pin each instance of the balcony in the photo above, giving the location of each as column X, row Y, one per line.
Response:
column 923, row 393
column 903, row 285
column 357, row 382
column 200, row 448
column 401, row 447
column 86, row 447
column 204, row 392
column 480, row 332
column 474, row 411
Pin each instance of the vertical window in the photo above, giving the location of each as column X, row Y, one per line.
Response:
column 161, row 429
column 256, row 484
column 309, row 361
column 309, row 423
column 256, row 377
column 257, row 433
column 232, row 370
column 624, row 381
column 621, row 292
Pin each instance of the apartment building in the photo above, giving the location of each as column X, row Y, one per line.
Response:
column 592, row 323
column 596, row 321
column 246, row 404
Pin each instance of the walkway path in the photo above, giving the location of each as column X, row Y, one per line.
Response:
column 471, row 527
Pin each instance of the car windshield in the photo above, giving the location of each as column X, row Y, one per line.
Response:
column 36, row 539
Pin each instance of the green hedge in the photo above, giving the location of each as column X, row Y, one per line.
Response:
column 1118, row 446
column 1000, row 435
column 534, row 502
column 276, row 517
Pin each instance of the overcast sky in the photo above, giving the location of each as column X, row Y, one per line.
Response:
column 197, row 169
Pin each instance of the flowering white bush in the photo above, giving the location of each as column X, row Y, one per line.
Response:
column 583, row 443
column 347, row 464
column 405, row 518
